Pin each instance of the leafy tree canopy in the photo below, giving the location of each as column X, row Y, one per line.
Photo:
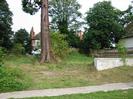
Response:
column 22, row 37
column 104, row 26
column 65, row 19
column 127, row 15
column 31, row 6
column 5, row 25
column 64, row 14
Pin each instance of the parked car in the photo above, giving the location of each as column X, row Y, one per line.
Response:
column 36, row 52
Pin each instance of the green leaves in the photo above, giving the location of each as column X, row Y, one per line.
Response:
column 5, row 25
column 104, row 25
column 12, row 79
column 60, row 46
column 31, row 6
column 122, row 51
column 64, row 14
column 65, row 19
column 22, row 39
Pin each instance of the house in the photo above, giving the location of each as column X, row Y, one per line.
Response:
column 35, row 39
column 128, row 37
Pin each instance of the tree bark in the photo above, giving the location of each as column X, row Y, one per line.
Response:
column 45, row 37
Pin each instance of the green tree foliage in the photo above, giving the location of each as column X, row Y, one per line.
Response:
column 72, row 39
column 122, row 51
column 90, row 40
column 5, row 25
column 31, row 6
column 22, row 37
column 104, row 26
column 18, row 49
column 127, row 15
column 60, row 46
column 64, row 14
column 65, row 19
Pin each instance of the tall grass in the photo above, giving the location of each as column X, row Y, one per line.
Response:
column 12, row 79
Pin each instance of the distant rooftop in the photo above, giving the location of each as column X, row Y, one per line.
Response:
column 37, row 36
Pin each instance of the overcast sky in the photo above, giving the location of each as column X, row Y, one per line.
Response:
column 24, row 20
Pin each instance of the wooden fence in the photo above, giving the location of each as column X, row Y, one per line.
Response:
column 110, row 53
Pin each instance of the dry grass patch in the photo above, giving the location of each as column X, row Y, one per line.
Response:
column 74, row 71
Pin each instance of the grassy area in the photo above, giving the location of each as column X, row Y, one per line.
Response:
column 75, row 70
column 126, row 94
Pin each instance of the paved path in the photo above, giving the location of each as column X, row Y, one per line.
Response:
column 67, row 91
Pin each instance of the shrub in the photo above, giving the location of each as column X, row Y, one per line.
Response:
column 60, row 47
column 22, row 37
column 73, row 40
column 122, row 51
column 2, row 55
column 12, row 79
column 18, row 49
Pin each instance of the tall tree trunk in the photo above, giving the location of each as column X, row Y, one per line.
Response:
column 45, row 38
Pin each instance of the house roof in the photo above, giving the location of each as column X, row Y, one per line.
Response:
column 129, row 30
column 37, row 36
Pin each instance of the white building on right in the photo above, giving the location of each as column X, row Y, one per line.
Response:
column 128, row 38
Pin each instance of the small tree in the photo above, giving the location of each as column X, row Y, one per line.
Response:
column 59, row 46
column 122, row 51
column 18, row 49
column 22, row 37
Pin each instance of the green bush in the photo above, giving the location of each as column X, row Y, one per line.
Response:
column 2, row 55
column 18, row 49
column 12, row 79
column 60, row 47
column 122, row 51
column 73, row 40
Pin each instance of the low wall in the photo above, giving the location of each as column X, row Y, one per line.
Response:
column 107, row 63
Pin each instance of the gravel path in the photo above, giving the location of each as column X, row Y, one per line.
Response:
column 67, row 91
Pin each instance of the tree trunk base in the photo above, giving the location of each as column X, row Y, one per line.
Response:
column 47, row 59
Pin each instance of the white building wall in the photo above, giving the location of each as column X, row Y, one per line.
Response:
column 108, row 63
column 128, row 42
column 37, row 44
